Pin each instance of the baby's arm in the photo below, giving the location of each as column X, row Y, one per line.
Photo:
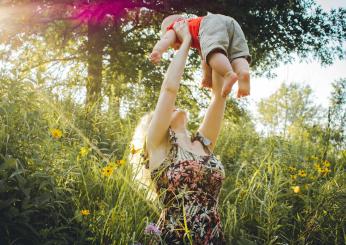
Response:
column 162, row 45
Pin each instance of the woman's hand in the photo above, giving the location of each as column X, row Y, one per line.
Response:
column 182, row 30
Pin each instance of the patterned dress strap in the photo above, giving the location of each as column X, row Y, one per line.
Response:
column 172, row 136
column 174, row 145
column 204, row 141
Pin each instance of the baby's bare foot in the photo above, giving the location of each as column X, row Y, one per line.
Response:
column 243, row 85
column 230, row 79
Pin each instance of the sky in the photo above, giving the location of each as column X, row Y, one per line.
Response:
column 318, row 77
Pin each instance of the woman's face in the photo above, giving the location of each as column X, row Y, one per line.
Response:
column 179, row 117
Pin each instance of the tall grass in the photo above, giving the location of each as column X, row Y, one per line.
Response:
column 74, row 188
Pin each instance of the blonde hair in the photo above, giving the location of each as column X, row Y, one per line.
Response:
column 139, row 157
column 169, row 20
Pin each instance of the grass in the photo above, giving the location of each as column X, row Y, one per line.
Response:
column 69, row 186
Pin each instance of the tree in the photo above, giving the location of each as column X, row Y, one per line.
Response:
column 290, row 107
column 105, row 33
column 336, row 126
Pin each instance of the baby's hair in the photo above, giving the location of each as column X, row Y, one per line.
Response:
column 169, row 20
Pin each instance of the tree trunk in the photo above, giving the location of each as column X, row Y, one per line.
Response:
column 95, row 52
column 115, row 85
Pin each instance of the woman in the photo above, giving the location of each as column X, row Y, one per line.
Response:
column 188, row 176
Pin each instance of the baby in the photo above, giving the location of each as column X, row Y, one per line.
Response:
column 221, row 44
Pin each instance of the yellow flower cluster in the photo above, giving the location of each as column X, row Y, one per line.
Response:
column 323, row 169
column 295, row 174
column 56, row 133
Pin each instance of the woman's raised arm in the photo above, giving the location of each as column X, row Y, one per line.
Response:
column 211, row 125
column 162, row 114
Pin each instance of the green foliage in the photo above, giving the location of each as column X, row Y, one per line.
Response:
column 55, row 188
column 289, row 108
column 337, row 113
column 33, row 208
column 62, row 178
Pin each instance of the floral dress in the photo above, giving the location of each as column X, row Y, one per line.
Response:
column 188, row 186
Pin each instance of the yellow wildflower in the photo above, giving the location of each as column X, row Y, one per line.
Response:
column 317, row 166
column 293, row 176
column 56, row 133
column 326, row 164
column 325, row 170
column 84, row 151
column 121, row 162
column 108, row 170
column 85, row 212
column 314, row 158
column 296, row 189
column 302, row 173
column 133, row 150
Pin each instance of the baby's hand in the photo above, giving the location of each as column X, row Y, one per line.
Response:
column 155, row 57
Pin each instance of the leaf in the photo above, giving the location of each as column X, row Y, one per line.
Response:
column 10, row 163
column 7, row 203
column 17, row 172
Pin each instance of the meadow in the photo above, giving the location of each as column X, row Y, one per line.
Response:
column 73, row 89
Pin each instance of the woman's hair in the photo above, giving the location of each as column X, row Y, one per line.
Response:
column 139, row 157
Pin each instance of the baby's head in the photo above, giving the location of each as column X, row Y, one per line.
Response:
column 168, row 21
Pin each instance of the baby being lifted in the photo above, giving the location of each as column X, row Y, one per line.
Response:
column 221, row 44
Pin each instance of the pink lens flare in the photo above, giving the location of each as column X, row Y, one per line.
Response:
column 99, row 11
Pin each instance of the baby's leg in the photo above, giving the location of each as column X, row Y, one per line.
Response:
column 219, row 62
column 207, row 75
column 241, row 67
